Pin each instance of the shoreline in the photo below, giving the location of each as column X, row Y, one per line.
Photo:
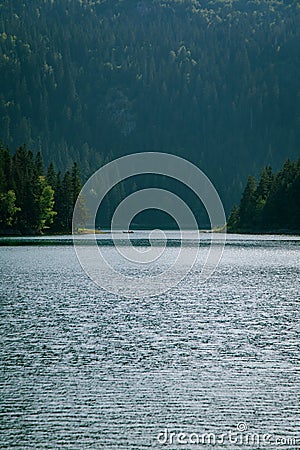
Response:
column 19, row 234
column 16, row 234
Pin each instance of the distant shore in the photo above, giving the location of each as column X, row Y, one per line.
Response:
column 86, row 231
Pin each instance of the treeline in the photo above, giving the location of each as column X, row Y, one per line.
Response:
column 33, row 198
column 214, row 81
column 272, row 204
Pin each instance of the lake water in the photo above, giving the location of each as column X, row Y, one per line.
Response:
column 85, row 369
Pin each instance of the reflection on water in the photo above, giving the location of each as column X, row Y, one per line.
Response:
column 83, row 369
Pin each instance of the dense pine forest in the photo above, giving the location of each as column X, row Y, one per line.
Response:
column 32, row 199
column 272, row 204
column 215, row 81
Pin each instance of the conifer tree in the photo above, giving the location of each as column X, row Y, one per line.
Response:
column 39, row 164
column 234, row 219
column 247, row 208
column 51, row 176
column 2, row 175
column 265, row 183
column 67, row 201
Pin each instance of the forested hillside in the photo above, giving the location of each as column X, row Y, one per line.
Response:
column 215, row 81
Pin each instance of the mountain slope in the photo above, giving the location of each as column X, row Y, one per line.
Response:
column 215, row 81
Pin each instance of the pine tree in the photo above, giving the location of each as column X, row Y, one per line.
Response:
column 81, row 210
column 39, row 164
column 25, row 188
column 76, row 183
column 7, row 169
column 234, row 219
column 247, row 210
column 51, row 176
column 294, row 200
column 265, row 183
column 58, row 222
column 67, row 202
column 2, row 174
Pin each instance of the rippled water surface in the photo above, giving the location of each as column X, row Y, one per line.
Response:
column 84, row 369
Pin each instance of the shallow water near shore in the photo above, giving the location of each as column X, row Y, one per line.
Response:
column 85, row 369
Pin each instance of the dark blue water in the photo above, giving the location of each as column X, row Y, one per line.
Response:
column 85, row 369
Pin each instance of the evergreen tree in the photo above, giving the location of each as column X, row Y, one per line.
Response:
column 51, row 176
column 67, row 202
column 234, row 219
column 39, row 164
column 76, row 182
column 247, row 210
column 2, row 174
column 59, row 201
column 265, row 183
column 7, row 170
column 25, row 187
column 294, row 199
column 81, row 211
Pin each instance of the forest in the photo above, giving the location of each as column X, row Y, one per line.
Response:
column 271, row 204
column 34, row 199
column 214, row 81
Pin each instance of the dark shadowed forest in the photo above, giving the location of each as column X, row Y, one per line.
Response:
column 216, row 82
